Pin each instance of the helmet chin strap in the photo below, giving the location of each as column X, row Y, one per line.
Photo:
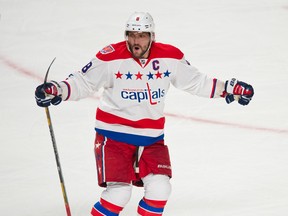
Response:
column 152, row 38
column 148, row 49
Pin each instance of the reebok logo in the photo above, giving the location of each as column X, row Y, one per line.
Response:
column 163, row 166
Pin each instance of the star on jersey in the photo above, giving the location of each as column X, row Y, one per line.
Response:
column 129, row 75
column 150, row 76
column 139, row 75
column 158, row 75
column 118, row 75
column 167, row 73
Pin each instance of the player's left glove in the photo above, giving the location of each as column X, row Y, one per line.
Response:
column 238, row 89
column 49, row 93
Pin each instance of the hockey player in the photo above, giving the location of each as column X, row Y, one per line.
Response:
column 129, row 145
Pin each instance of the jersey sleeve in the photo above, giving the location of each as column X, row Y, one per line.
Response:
column 86, row 82
column 189, row 79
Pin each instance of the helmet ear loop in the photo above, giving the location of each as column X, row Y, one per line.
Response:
column 152, row 36
column 126, row 35
column 126, row 39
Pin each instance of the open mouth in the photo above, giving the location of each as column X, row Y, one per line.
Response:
column 136, row 48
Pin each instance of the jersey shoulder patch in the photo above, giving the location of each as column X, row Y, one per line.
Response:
column 108, row 49
column 114, row 52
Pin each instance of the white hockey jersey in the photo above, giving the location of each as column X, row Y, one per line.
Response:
column 132, row 104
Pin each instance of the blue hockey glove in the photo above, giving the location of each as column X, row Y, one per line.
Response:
column 47, row 94
column 240, row 90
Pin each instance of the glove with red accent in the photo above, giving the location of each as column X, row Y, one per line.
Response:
column 47, row 94
column 238, row 89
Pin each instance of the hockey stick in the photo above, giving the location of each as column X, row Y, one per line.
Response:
column 67, row 207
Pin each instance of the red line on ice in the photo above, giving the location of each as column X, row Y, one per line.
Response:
column 33, row 75
column 236, row 125
column 20, row 69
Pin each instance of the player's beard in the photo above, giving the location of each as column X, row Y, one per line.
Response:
column 138, row 51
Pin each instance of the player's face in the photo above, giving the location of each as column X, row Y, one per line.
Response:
column 138, row 43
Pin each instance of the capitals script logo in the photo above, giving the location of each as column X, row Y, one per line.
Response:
column 140, row 95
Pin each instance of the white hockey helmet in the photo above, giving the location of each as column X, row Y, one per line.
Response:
column 141, row 22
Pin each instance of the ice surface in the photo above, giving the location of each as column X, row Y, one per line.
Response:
column 227, row 159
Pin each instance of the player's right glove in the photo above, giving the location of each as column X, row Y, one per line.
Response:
column 47, row 94
column 243, row 91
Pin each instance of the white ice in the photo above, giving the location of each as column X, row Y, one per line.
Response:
column 227, row 159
